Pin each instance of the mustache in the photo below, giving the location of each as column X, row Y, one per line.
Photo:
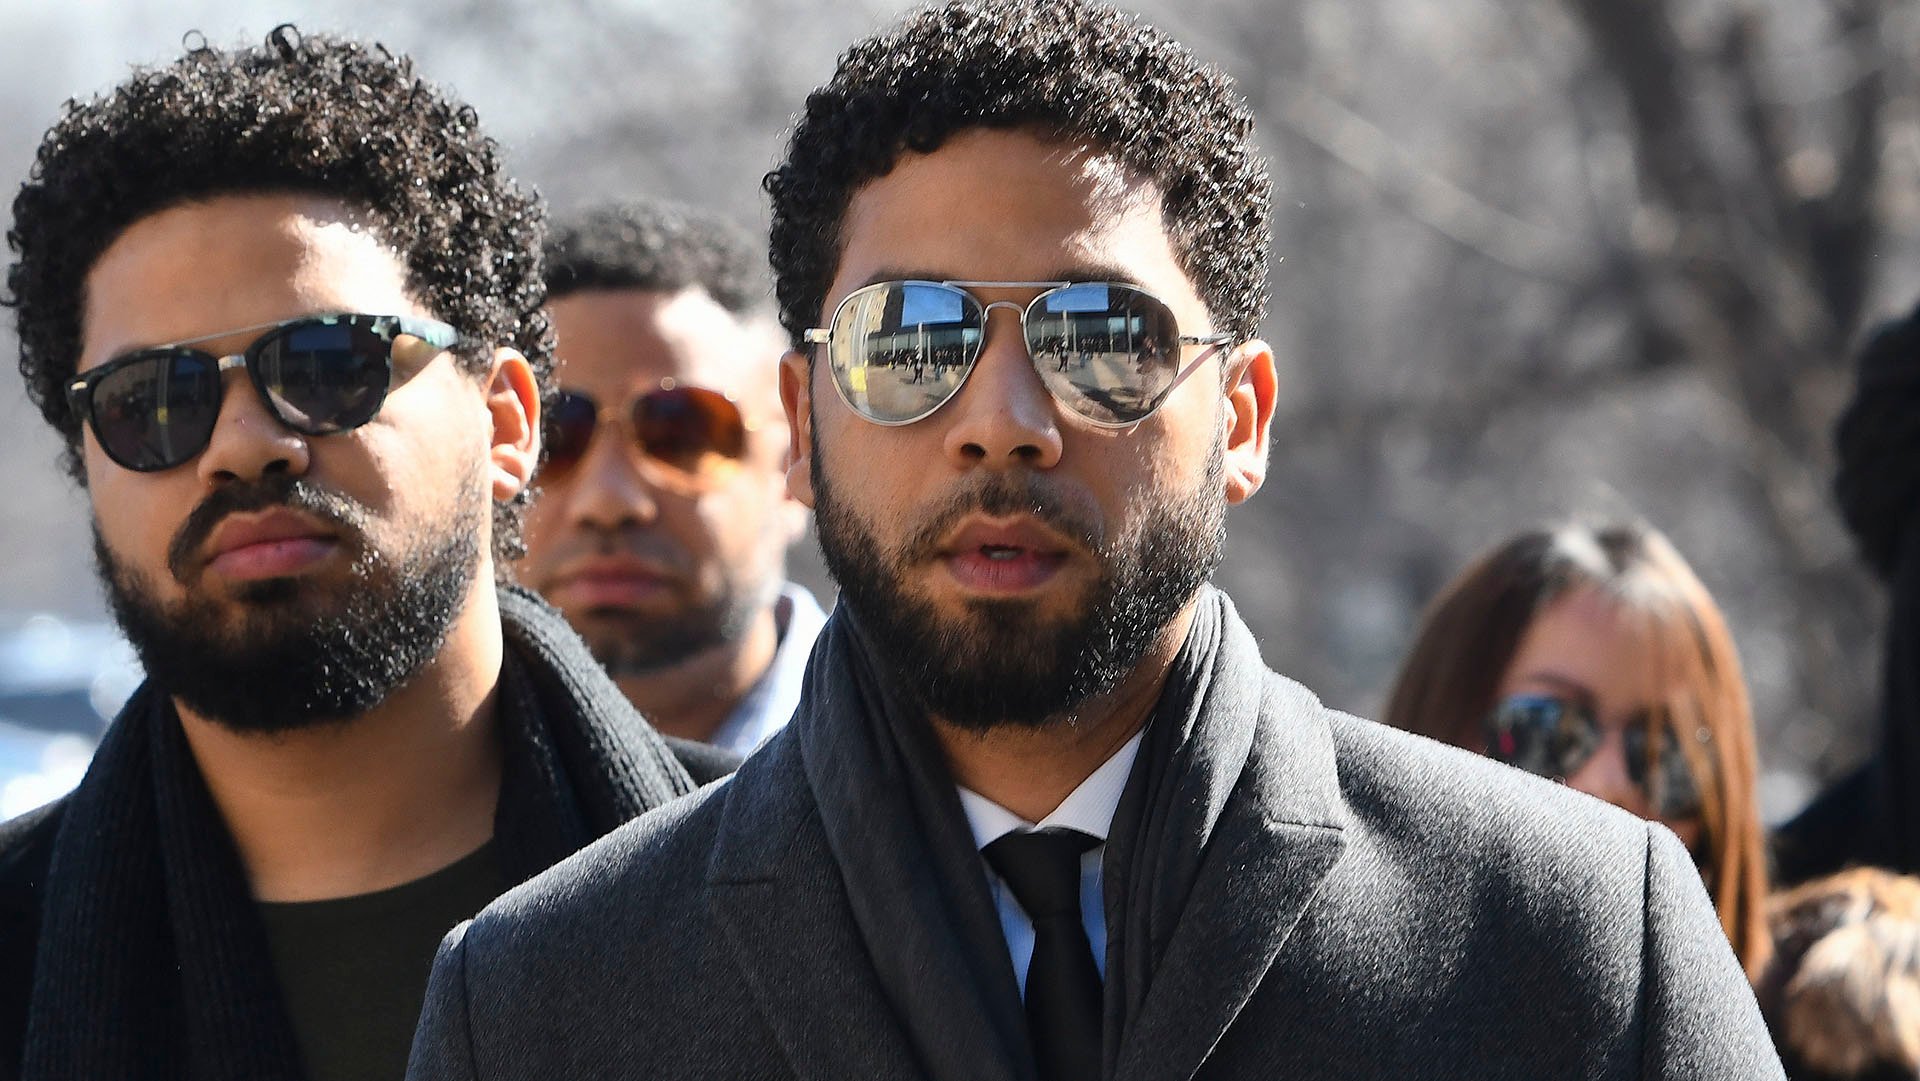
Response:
column 634, row 542
column 241, row 497
column 1000, row 497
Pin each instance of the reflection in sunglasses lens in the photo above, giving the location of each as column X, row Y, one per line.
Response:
column 158, row 411
column 318, row 375
column 901, row 349
column 1109, row 351
column 1552, row 738
column 1660, row 769
column 325, row 377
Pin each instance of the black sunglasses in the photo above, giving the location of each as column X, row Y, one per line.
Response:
column 1110, row 352
column 698, row 435
column 1553, row 737
column 155, row 408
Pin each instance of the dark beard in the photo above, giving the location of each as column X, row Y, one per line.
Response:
column 1001, row 666
column 638, row 645
column 296, row 655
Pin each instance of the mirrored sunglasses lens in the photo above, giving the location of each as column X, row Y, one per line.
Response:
column 1541, row 735
column 569, row 430
column 1108, row 351
column 324, row 376
column 157, row 412
column 901, row 349
column 691, row 429
column 1667, row 779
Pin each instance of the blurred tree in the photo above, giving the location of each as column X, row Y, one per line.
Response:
column 1753, row 256
column 1601, row 255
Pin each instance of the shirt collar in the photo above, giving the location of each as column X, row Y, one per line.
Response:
column 769, row 703
column 1088, row 808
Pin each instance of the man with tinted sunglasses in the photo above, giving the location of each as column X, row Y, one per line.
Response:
column 1043, row 811
column 663, row 520
column 282, row 305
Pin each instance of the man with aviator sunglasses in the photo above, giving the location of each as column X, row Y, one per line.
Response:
column 663, row 520
column 296, row 359
column 1043, row 810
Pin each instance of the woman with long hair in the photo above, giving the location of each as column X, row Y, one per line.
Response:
column 1596, row 657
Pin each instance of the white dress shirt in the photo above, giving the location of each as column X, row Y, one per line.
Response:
column 1089, row 809
column 768, row 705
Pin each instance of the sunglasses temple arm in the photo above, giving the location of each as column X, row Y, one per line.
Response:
column 1192, row 366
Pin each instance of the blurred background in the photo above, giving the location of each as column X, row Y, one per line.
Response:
column 1534, row 258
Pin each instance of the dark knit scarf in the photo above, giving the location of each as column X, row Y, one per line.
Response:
column 1897, row 823
column 153, row 961
column 919, row 894
column 1873, row 815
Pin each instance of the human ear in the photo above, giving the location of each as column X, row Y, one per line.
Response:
column 1250, row 401
column 796, row 397
column 513, row 403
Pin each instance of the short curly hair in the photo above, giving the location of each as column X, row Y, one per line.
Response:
column 1073, row 70
column 310, row 114
column 1877, row 440
column 658, row 246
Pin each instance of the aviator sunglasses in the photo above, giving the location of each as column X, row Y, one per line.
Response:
column 1108, row 351
column 1553, row 737
column 697, row 435
column 155, row 408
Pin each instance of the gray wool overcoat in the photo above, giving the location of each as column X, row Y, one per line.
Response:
column 1371, row 905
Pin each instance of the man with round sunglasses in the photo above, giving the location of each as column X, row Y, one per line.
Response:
column 283, row 306
column 663, row 520
column 1043, row 811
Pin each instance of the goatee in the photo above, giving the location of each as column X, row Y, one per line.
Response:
column 1001, row 664
column 286, row 654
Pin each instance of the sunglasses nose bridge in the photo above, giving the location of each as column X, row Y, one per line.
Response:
column 1019, row 316
column 248, row 437
column 615, row 486
column 1605, row 773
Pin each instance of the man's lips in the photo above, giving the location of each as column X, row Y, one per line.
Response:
column 275, row 543
column 610, row 582
column 1003, row 556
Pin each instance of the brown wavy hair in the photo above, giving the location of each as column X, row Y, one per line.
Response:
column 1469, row 635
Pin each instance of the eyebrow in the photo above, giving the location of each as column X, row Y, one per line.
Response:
column 1079, row 272
column 201, row 339
column 1564, row 683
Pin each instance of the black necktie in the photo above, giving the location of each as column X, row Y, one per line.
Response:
column 1063, row 985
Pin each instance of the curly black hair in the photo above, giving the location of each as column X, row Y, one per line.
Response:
column 310, row 114
column 1073, row 70
column 658, row 246
column 1877, row 484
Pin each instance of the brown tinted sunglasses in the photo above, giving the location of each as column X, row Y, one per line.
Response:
column 693, row 434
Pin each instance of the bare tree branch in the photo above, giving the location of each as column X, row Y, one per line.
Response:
column 1430, row 198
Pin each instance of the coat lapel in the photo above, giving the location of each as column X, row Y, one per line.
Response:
column 779, row 899
column 1275, row 842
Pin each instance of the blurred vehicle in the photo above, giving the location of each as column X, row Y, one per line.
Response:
column 61, row 681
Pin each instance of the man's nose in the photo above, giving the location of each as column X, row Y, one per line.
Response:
column 606, row 490
column 1004, row 416
column 248, row 441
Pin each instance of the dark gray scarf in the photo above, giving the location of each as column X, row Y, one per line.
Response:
column 152, row 959
column 894, row 823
